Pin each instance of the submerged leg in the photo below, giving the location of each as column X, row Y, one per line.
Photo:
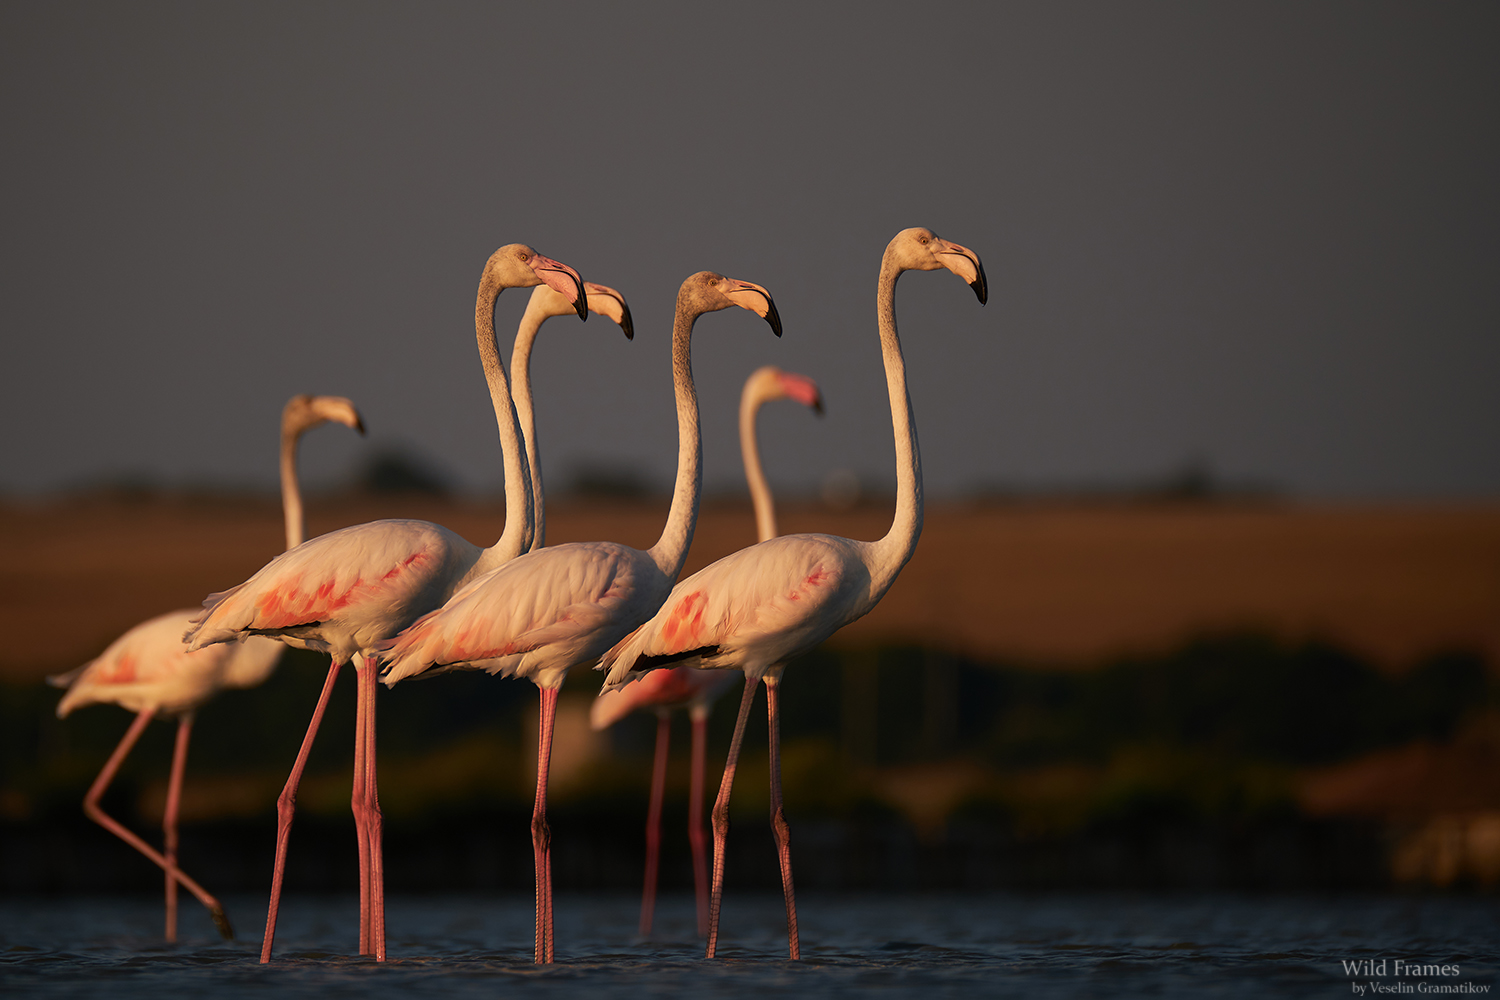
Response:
column 357, row 807
column 721, row 817
column 696, row 838
column 98, row 815
column 366, row 803
column 286, row 806
column 376, row 822
column 169, row 817
column 653, row 819
column 541, row 836
column 778, row 819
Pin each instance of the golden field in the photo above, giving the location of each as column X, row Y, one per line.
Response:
column 1047, row 584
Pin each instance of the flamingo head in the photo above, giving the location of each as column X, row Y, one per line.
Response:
column 770, row 383
column 302, row 413
column 708, row 292
column 517, row 265
column 602, row 300
column 921, row 249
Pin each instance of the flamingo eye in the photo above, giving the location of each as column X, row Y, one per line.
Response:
column 525, row 257
column 924, row 241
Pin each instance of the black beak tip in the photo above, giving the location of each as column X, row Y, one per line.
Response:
column 359, row 425
column 773, row 318
column 818, row 406
column 980, row 286
column 626, row 325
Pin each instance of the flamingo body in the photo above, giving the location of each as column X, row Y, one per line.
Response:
column 343, row 592
column 535, row 616
column 149, row 667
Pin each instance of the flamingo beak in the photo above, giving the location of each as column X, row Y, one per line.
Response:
column 611, row 304
column 804, row 390
column 965, row 263
column 564, row 280
column 340, row 409
column 748, row 295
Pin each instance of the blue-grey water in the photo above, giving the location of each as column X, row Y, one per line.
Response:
column 923, row 946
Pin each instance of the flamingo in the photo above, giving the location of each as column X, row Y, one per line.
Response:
column 546, row 303
column 755, row 609
column 148, row 671
column 689, row 687
column 554, row 608
column 344, row 592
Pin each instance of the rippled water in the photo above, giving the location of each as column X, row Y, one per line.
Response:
column 898, row 946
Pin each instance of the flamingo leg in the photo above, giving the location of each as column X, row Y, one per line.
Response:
column 169, row 817
column 377, row 823
column 778, row 819
column 94, row 812
column 541, row 836
column 653, row 820
column 286, row 806
column 696, row 838
column 721, row 817
column 367, row 815
column 357, row 805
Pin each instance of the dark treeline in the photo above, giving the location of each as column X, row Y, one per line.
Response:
column 903, row 768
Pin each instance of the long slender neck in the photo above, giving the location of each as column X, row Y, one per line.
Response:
column 520, row 369
column 670, row 551
column 760, row 494
column 896, row 547
column 516, row 538
column 291, row 495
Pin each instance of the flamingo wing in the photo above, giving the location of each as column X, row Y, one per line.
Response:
column 551, row 608
column 373, row 574
column 148, row 666
column 750, row 610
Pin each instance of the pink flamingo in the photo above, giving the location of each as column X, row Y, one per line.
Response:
column 546, row 303
column 689, row 687
column 755, row 609
column 150, row 672
column 554, row 608
column 345, row 592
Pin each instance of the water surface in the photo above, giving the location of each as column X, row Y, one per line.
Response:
column 923, row 946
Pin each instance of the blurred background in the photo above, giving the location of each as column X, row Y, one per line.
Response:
column 1209, row 588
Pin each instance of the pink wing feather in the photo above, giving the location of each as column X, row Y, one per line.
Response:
column 759, row 606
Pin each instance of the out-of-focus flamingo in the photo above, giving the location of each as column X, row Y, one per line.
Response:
column 546, row 303
column 344, row 592
column 554, row 608
column 150, row 672
column 755, row 609
column 689, row 687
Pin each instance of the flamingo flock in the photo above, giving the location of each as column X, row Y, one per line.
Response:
column 405, row 598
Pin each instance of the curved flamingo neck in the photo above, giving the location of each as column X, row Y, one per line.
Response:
column 893, row 551
column 516, row 538
column 760, row 493
column 291, row 495
column 670, row 551
column 520, row 368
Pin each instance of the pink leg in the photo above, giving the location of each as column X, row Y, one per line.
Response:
column 286, row 806
column 653, row 820
column 367, row 815
column 98, row 815
column 376, row 823
column 357, row 800
column 721, row 817
column 169, row 818
column 541, row 837
column 696, row 836
column 778, row 819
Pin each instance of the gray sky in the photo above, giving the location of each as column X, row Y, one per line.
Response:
column 1263, row 236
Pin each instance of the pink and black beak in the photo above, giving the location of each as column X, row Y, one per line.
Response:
column 967, row 267
column 609, row 303
column 749, row 295
column 564, row 280
column 803, row 390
